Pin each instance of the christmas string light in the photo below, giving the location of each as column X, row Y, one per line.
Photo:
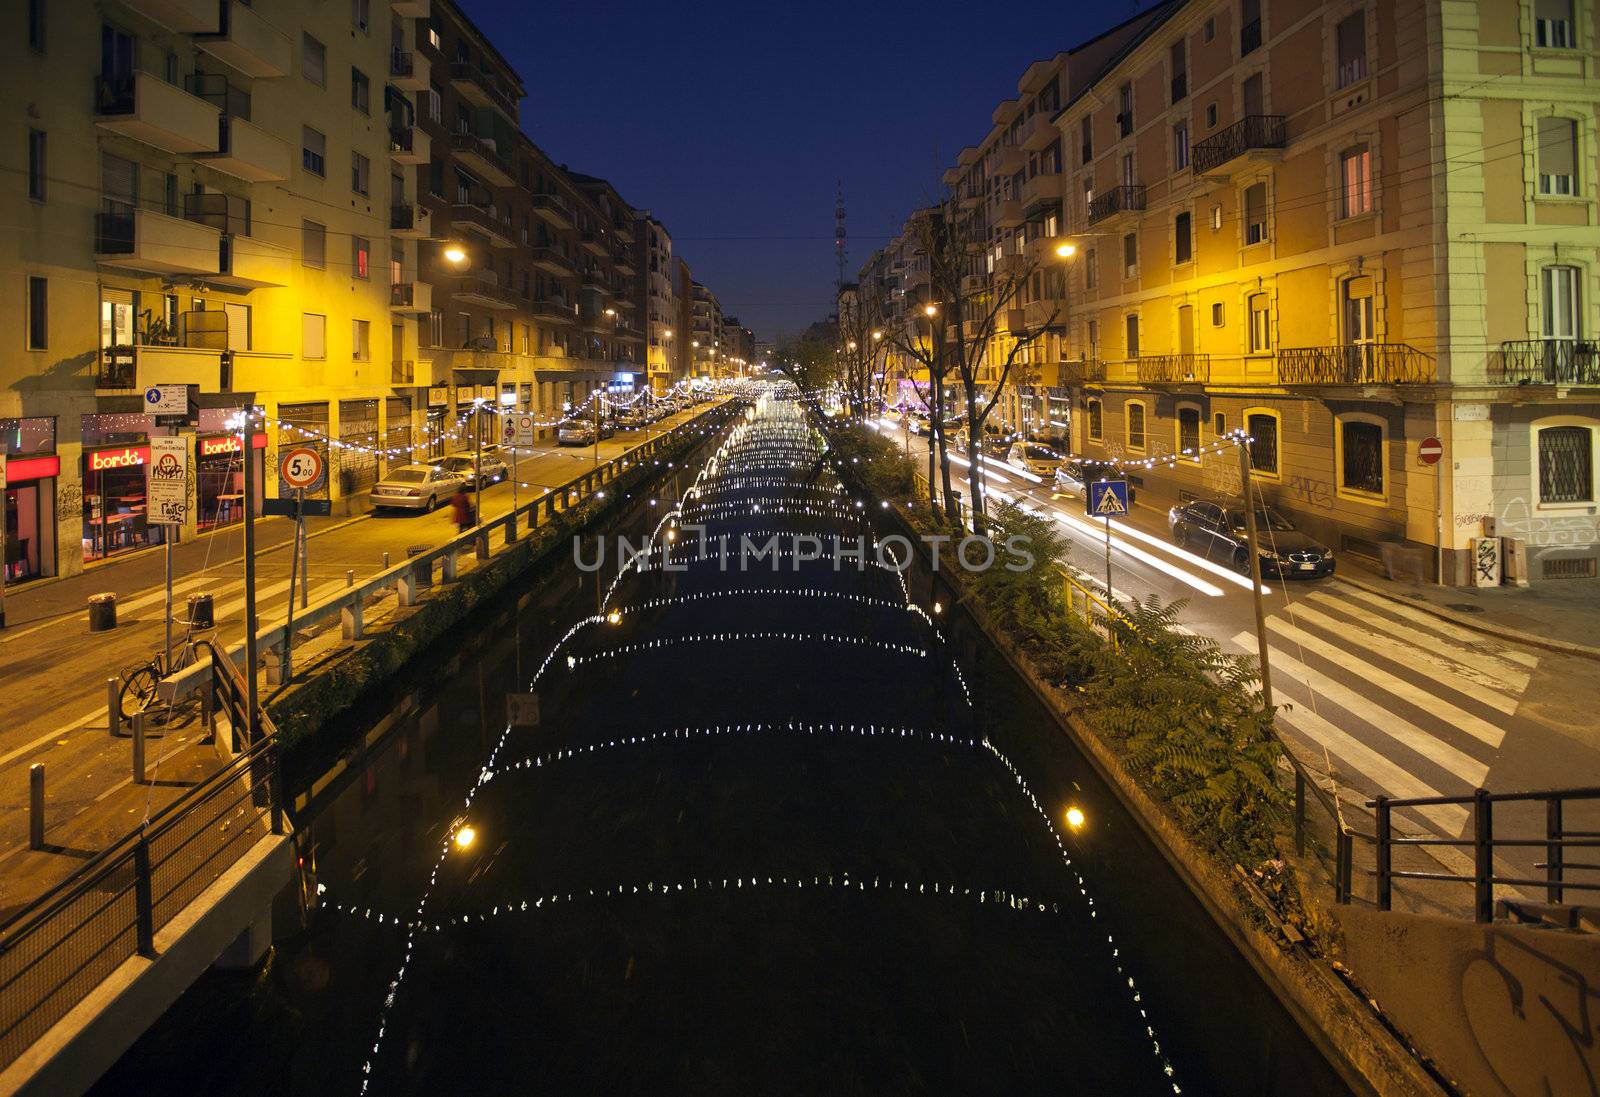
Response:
column 575, row 661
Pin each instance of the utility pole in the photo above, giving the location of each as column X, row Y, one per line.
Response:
column 477, row 460
column 1255, row 570
column 250, row 620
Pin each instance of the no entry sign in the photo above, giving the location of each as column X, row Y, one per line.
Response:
column 1430, row 451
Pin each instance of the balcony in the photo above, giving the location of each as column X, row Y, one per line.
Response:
column 147, row 109
column 483, row 89
column 482, row 157
column 1545, row 362
column 136, row 368
column 183, row 16
column 408, row 70
column 1008, row 214
column 550, row 260
column 1173, row 369
column 485, row 220
column 552, row 208
column 1116, row 201
column 624, row 262
column 1009, row 160
column 1356, row 364
column 595, row 244
column 411, row 297
column 1037, row 132
column 1255, row 132
column 410, row 221
column 246, row 151
column 403, row 371
column 409, row 144
column 555, row 309
column 411, row 9
column 481, row 289
column 247, row 42
column 1088, row 371
column 248, row 263
column 1041, row 192
column 143, row 240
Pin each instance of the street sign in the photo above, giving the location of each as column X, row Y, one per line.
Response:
column 287, row 508
column 522, row 710
column 167, row 400
column 519, row 429
column 167, row 482
column 300, row 468
column 1107, row 499
column 1430, row 451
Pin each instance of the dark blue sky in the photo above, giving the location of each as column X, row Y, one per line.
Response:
column 731, row 122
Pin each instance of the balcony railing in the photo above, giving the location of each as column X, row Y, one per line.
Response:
column 1116, row 200
column 118, row 368
column 1356, row 364
column 470, row 144
column 1255, row 131
column 402, row 218
column 403, row 372
column 1090, row 371
column 402, row 62
column 402, row 139
column 1545, row 362
column 1174, row 369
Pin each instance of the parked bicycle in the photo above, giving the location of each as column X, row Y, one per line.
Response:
column 139, row 682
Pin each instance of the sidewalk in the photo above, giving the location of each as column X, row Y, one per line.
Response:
column 1553, row 614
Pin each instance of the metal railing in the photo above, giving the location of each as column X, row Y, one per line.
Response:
column 1101, row 617
column 56, row 951
column 1086, row 371
column 1254, row 131
column 1123, row 199
column 1545, row 362
column 1356, row 364
column 1173, row 369
column 1556, row 841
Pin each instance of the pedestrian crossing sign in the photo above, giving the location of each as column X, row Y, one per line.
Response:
column 1107, row 499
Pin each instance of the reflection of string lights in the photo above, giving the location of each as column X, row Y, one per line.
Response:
column 574, row 661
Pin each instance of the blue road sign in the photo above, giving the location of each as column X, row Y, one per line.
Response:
column 1107, row 499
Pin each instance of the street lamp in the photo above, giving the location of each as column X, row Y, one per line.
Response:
column 455, row 254
column 1067, row 251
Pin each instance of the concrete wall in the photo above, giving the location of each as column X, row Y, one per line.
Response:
column 1553, row 531
column 1503, row 1011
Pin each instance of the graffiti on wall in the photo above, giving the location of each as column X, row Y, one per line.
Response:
column 1518, row 519
column 1311, row 492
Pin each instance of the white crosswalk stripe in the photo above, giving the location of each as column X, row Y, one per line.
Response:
column 1472, row 640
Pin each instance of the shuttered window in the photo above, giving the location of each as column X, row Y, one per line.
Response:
column 1566, row 465
column 1362, row 447
column 1136, row 426
column 1263, row 431
column 1558, row 156
column 1188, row 430
column 1255, row 213
column 1352, row 36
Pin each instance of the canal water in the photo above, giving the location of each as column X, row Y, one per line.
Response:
column 771, row 834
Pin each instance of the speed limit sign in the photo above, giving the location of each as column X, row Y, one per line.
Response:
column 300, row 468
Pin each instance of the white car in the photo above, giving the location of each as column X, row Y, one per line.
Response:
column 576, row 432
column 1037, row 459
column 416, row 487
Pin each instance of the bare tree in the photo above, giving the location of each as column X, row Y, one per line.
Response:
column 863, row 346
column 808, row 360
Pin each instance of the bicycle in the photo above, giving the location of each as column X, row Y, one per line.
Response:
column 139, row 682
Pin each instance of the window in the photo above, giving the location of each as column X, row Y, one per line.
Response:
column 1249, row 26
column 360, row 91
column 313, row 335
column 361, row 14
column 38, row 169
column 1559, row 303
column 1128, row 177
column 434, row 105
column 1255, row 214
column 1182, row 238
column 1091, row 267
column 313, row 61
column 1260, row 308
column 1211, row 116
column 1221, row 424
column 1352, row 44
column 1566, row 464
column 313, row 244
column 1209, row 30
column 313, row 151
column 1096, row 423
column 1125, row 111
column 1180, row 71
column 1358, row 319
column 360, row 173
column 1130, row 254
column 38, row 313
column 436, row 178
column 36, row 25
column 1180, row 146
column 1086, row 136
column 360, row 340
column 1189, row 430
column 1132, row 324
column 1552, row 24
column 1558, row 143
column 1355, row 181
column 1135, row 420
column 360, row 256
column 434, row 40
column 1216, row 218
column 1361, row 456
column 1263, row 430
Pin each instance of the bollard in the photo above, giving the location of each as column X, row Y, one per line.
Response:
column 102, row 612
column 483, row 545
column 511, row 529
column 386, row 561
column 113, row 707
column 36, row 806
column 138, row 748
column 350, row 577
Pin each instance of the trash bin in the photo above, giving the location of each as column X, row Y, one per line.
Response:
column 102, row 612
column 423, row 572
column 201, row 612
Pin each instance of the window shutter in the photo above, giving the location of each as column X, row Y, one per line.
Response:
column 1557, row 136
column 1352, row 38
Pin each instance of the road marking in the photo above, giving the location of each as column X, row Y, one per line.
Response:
column 27, row 748
column 1494, row 668
column 1462, row 680
column 1439, row 625
column 1434, row 705
column 1455, row 762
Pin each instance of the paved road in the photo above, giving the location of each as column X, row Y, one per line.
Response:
column 1386, row 698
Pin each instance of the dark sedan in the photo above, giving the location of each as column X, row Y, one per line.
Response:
column 1216, row 531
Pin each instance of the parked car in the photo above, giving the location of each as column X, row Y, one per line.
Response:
column 490, row 470
column 631, row 418
column 1217, row 531
column 1073, row 475
column 417, row 487
column 1033, row 457
column 575, row 432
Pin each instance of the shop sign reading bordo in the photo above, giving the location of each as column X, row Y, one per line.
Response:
column 167, row 482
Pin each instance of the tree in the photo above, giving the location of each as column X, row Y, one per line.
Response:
column 863, row 346
column 808, row 359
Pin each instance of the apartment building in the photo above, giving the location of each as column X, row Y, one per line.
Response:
column 661, row 305
column 736, row 348
column 894, row 279
column 683, row 342
column 706, row 332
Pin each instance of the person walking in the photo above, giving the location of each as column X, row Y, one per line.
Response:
column 461, row 510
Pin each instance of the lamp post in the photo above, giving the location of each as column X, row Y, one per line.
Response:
column 935, row 425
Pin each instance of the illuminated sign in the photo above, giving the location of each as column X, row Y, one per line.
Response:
column 229, row 443
column 19, row 469
column 125, row 458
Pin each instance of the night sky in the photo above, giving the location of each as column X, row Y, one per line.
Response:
column 732, row 122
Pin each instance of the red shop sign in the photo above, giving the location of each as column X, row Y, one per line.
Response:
column 101, row 460
column 32, row 468
column 222, row 444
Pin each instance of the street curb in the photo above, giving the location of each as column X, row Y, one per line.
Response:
column 1564, row 647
